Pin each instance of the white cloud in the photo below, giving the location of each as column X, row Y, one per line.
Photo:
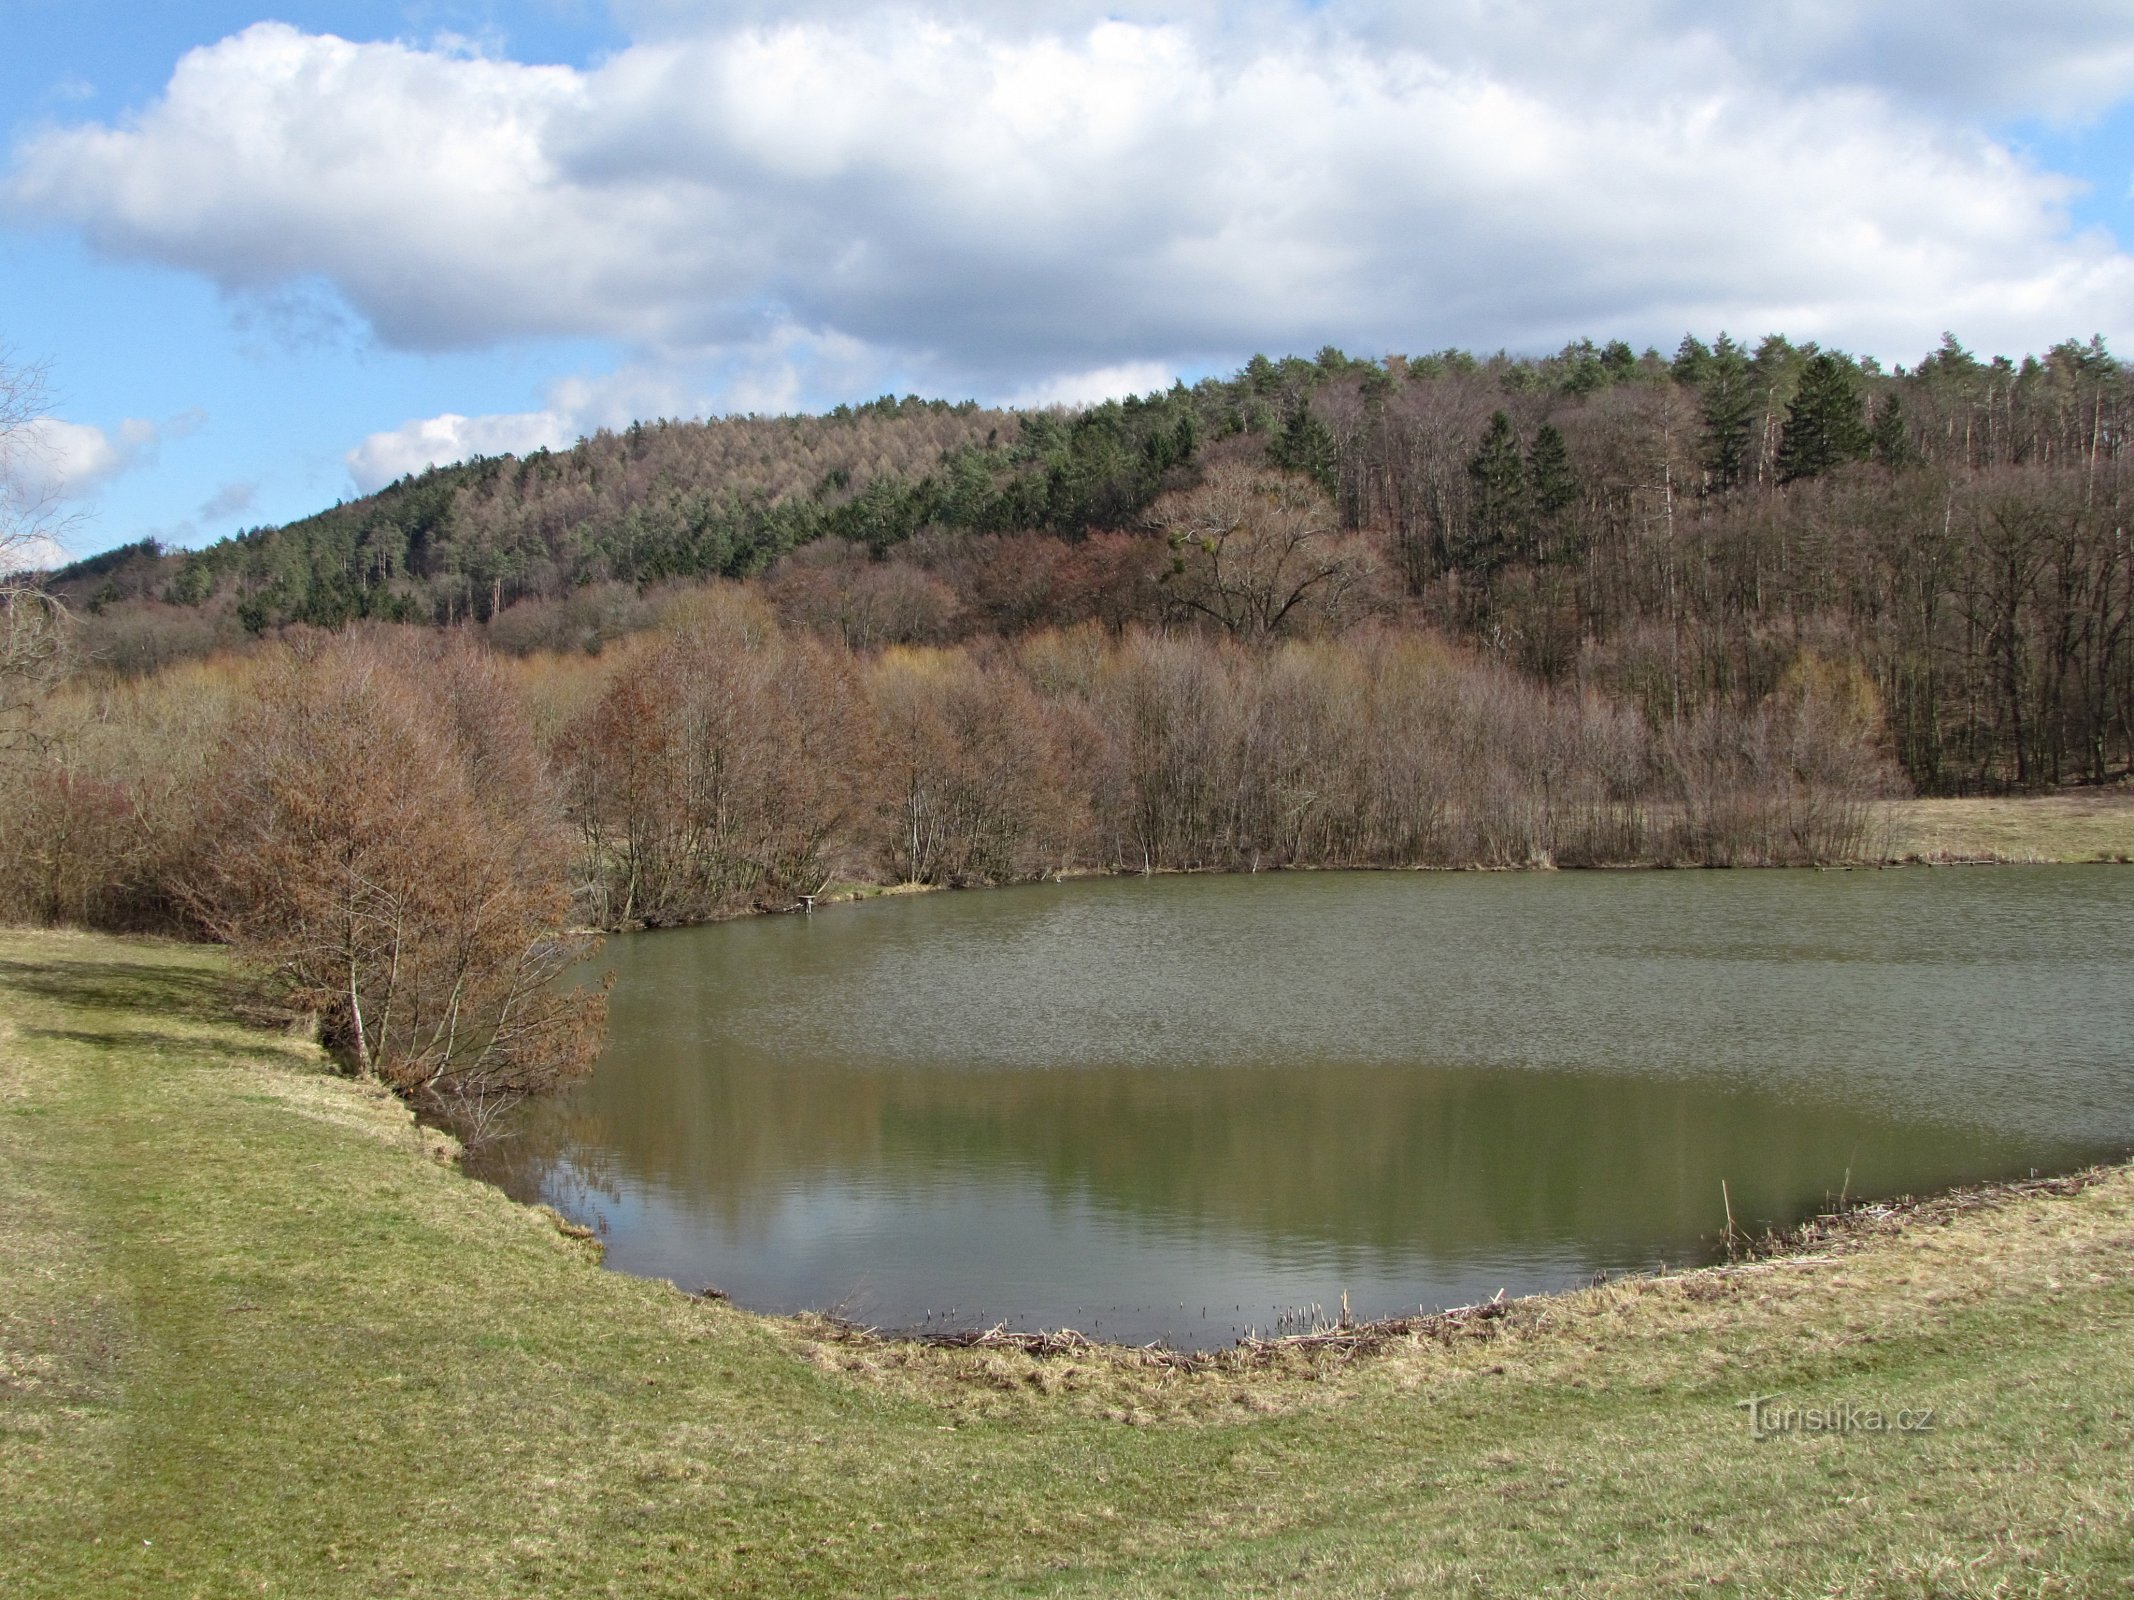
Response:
column 1966, row 58
column 51, row 460
column 1097, row 384
column 31, row 552
column 437, row 441
column 782, row 372
column 982, row 198
column 231, row 500
column 573, row 408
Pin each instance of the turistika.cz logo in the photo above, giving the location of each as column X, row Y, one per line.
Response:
column 1770, row 1417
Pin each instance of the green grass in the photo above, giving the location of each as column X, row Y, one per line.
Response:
column 256, row 1337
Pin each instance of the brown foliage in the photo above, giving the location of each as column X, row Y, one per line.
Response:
column 101, row 818
column 982, row 790
column 722, row 765
column 379, row 791
column 834, row 589
column 1793, row 781
column 380, row 844
column 1019, row 583
column 586, row 619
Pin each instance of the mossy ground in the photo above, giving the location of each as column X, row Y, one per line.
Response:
column 257, row 1337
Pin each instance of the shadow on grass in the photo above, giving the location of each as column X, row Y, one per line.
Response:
column 147, row 1039
column 188, row 994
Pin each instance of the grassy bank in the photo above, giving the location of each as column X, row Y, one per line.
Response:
column 257, row 1338
column 2072, row 825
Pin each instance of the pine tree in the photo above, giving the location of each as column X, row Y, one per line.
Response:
column 1890, row 442
column 1498, row 509
column 1692, row 358
column 1551, row 489
column 1306, row 445
column 1826, row 425
column 1730, row 403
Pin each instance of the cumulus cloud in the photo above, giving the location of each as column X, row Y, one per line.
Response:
column 1060, row 200
column 52, row 460
column 574, row 408
column 2059, row 59
column 785, row 371
column 436, row 441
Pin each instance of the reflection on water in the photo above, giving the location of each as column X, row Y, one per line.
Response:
column 1177, row 1108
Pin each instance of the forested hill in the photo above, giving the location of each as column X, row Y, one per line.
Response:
column 1679, row 530
column 666, row 500
column 1392, row 439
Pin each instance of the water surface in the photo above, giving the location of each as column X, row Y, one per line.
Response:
column 1184, row 1107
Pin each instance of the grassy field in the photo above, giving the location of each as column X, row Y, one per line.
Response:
column 258, row 1338
column 2071, row 825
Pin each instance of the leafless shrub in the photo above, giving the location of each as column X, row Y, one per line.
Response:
column 382, row 857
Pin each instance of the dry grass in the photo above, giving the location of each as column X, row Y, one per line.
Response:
column 2072, row 826
column 256, row 1341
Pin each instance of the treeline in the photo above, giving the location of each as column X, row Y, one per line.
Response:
column 662, row 501
column 324, row 800
column 727, row 762
column 1671, row 532
column 1959, row 531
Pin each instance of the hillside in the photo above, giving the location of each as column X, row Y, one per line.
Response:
column 1678, row 530
column 667, row 500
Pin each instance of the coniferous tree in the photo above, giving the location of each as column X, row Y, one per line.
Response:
column 1551, row 488
column 1692, row 358
column 1498, row 509
column 1306, row 446
column 1889, row 442
column 1729, row 403
column 1826, row 425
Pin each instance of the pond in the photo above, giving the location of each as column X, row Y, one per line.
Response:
column 1182, row 1108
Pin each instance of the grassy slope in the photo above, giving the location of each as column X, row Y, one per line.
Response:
column 256, row 1339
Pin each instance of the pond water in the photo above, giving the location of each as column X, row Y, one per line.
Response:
column 1182, row 1108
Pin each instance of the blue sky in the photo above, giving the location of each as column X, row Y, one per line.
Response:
column 255, row 413
column 272, row 258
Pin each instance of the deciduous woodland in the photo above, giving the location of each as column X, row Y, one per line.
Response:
column 1671, row 532
column 1594, row 609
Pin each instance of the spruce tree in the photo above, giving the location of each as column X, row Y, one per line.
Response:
column 1551, row 488
column 1498, row 476
column 1730, row 405
column 1825, row 424
column 1890, row 443
column 1306, row 445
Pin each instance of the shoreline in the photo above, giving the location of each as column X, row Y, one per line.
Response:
column 1823, row 1239
column 844, row 893
column 255, row 1333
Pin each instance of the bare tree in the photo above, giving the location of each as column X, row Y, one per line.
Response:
column 33, row 636
column 1260, row 553
column 381, row 846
